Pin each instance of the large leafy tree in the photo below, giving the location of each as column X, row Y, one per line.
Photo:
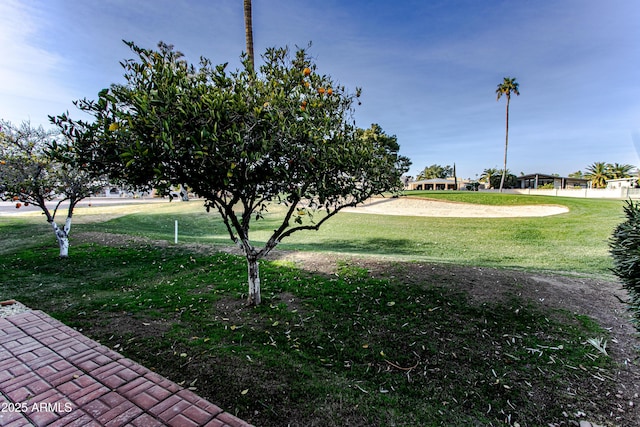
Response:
column 507, row 87
column 30, row 174
column 243, row 140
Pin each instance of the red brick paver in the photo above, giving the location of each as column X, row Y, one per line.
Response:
column 52, row 375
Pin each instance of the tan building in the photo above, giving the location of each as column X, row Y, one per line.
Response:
column 435, row 184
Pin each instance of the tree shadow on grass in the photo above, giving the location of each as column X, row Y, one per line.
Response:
column 378, row 245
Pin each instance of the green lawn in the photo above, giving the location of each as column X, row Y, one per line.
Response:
column 572, row 242
column 402, row 347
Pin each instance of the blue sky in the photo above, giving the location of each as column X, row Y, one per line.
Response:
column 428, row 68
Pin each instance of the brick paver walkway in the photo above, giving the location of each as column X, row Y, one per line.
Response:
column 52, row 375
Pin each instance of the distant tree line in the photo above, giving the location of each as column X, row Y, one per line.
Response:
column 435, row 171
column 598, row 173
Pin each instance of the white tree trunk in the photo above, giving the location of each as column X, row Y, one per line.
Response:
column 62, row 234
column 184, row 194
column 254, row 281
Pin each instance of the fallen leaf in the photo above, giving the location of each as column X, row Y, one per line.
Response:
column 245, row 391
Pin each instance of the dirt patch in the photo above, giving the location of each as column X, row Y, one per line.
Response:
column 109, row 325
column 599, row 299
column 408, row 206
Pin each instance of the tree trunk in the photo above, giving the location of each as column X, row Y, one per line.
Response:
column 248, row 31
column 62, row 235
column 455, row 178
column 506, row 145
column 254, row 280
column 184, row 194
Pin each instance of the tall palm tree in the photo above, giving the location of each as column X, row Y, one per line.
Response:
column 506, row 88
column 598, row 173
column 248, row 31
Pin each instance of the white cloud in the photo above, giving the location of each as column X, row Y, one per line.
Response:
column 27, row 71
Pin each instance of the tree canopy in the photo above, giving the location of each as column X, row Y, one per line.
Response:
column 241, row 140
column 600, row 172
column 436, row 171
column 31, row 174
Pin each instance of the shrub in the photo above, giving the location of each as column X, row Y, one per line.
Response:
column 625, row 249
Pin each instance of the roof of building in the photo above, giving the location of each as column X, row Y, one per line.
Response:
column 547, row 176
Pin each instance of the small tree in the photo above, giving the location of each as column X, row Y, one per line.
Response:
column 241, row 140
column 29, row 174
column 624, row 247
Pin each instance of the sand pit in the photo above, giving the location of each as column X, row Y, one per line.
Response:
column 408, row 206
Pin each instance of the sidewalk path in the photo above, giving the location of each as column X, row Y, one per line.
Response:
column 52, row 375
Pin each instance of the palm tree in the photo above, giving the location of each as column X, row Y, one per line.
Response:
column 436, row 171
column 598, row 173
column 248, row 31
column 489, row 173
column 506, row 88
column 433, row 171
column 617, row 171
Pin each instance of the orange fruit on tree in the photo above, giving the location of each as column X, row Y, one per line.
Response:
column 320, row 90
column 306, row 71
column 15, row 198
column 329, row 91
